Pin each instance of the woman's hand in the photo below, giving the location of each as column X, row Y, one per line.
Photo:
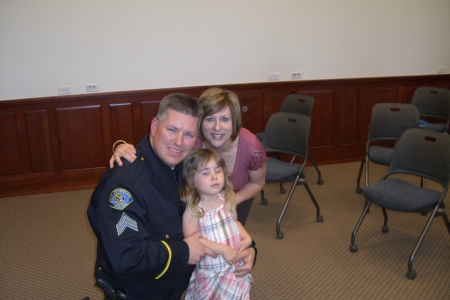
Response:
column 126, row 151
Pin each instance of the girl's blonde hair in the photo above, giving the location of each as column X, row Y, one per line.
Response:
column 189, row 195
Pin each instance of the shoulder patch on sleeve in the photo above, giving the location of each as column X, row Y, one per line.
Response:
column 120, row 198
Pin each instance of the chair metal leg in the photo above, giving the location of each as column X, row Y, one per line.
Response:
column 319, row 218
column 353, row 247
column 411, row 274
column 385, row 228
column 298, row 180
column 367, row 171
column 441, row 212
column 358, row 185
column 282, row 189
column 288, row 199
column 423, row 183
column 263, row 199
column 319, row 174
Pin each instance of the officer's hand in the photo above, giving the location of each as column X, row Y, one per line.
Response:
column 196, row 249
column 248, row 255
column 126, row 151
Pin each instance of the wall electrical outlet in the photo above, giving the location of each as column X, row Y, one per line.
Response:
column 441, row 70
column 91, row 88
column 63, row 90
column 274, row 76
column 296, row 75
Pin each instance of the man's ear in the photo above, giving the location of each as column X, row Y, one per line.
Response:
column 153, row 126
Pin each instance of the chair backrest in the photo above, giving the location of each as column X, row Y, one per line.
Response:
column 298, row 104
column 287, row 133
column 390, row 120
column 423, row 153
column 432, row 102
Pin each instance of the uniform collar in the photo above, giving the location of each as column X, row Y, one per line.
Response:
column 156, row 167
column 168, row 170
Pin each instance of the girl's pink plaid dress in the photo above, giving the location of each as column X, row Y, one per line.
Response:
column 214, row 278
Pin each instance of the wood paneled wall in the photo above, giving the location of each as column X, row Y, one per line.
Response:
column 64, row 143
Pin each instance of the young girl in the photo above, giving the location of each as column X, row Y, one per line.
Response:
column 211, row 210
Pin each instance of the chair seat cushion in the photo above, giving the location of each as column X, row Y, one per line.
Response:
column 439, row 127
column 279, row 171
column 381, row 155
column 396, row 194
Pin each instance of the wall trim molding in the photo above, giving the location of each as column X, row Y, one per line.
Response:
column 61, row 143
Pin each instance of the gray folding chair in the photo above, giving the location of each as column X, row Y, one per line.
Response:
column 421, row 153
column 388, row 122
column 288, row 133
column 303, row 105
column 298, row 104
column 434, row 103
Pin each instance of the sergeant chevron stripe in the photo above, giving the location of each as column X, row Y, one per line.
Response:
column 126, row 221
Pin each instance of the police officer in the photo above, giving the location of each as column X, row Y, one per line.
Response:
column 135, row 213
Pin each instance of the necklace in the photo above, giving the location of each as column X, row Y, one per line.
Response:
column 227, row 148
column 222, row 151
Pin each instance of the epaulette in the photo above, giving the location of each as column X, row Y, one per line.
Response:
column 136, row 167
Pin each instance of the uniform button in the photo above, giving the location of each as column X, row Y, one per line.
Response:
column 142, row 158
column 100, row 268
column 167, row 236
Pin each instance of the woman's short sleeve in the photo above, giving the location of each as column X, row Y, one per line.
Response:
column 259, row 157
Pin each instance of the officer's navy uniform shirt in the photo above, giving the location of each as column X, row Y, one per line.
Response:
column 136, row 215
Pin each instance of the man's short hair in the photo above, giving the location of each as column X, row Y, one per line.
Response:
column 179, row 102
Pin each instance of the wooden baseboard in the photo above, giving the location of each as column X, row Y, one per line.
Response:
column 54, row 144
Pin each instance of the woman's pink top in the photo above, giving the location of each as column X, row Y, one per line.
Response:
column 251, row 156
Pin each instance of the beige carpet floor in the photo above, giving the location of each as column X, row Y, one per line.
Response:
column 48, row 250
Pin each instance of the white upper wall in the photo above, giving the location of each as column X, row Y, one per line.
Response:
column 146, row 44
